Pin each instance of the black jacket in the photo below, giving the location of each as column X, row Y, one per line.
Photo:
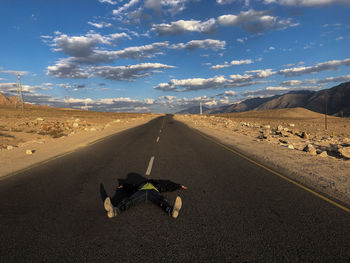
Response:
column 161, row 185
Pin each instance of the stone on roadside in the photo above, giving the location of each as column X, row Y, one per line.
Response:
column 323, row 154
column 304, row 135
column 39, row 119
column 345, row 152
column 291, row 124
column 279, row 128
column 290, row 146
column 117, row 120
column 75, row 125
column 93, row 129
column 29, row 151
column 9, row 147
column 310, row 149
column 266, row 126
column 77, row 120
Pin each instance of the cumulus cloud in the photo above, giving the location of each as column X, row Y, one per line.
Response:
column 108, row 1
column 129, row 73
column 205, row 44
column 66, row 69
column 83, row 46
column 136, row 52
column 183, row 26
column 309, row 3
column 251, row 21
column 329, row 65
column 100, row 25
column 233, row 63
column 192, row 84
column 125, row 7
column 255, row 21
column 289, row 83
column 14, row 72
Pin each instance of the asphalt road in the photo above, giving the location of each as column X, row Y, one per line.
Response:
column 233, row 210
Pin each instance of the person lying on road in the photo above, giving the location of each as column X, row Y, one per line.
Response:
column 148, row 190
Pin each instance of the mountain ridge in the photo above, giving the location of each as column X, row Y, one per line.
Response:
column 335, row 101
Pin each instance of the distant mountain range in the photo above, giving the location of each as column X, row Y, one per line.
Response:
column 336, row 100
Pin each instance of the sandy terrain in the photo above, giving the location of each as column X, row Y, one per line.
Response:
column 293, row 141
column 35, row 135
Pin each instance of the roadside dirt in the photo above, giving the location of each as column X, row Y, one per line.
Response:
column 35, row 135
column 293, row 141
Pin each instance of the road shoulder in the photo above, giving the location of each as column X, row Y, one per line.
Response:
column 325, row 175
column 19, row 158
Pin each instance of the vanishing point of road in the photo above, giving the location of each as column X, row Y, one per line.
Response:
column 233, row 210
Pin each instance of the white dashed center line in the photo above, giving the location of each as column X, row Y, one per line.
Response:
column 158, row 139
column 149, row 169
column 160, row 131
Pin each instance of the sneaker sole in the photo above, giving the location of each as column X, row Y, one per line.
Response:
column 109, row 208
column 177, row 207
column 107, row 203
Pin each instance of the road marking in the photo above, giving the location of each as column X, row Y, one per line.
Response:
column 276, row 173
column 149, row 169
column 158, row 139
column 160, row 131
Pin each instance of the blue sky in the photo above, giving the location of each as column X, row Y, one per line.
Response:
column 167, row 55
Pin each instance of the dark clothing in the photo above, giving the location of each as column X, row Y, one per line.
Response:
column 144, row 196
column 140, row 196
column 161, row 185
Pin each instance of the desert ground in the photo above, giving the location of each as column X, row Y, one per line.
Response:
column 36, row 134
column 292, row 141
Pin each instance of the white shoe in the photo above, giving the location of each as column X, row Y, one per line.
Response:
column 176, row 207
column 111, row 211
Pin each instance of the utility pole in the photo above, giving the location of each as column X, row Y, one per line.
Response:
column 325, row 115
column 67, row 96
column 200, row 108
column 19, row 92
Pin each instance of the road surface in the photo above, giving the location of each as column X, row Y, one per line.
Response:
column 233, row 210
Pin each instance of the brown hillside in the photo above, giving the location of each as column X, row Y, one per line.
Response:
column 290, row 113
column 4, row 100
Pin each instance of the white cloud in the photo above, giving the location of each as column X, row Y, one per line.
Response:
column 128, row 73
column 242, row 40
column 83, row 46
column 205, row 44
column 108, row 1
column 125, row 7
column 329, row 65
column 183, row 26
column 136, row 52
column 255, row 21
column 339, row 38
column 233, row 63
column 100, row 25
column 309, row 3
column 66, row 69
column 225, row 2
column 262, row 73
column 14, row 72
column 231, row 93
column 251, row 21
column 192, row 84
column 289, row 83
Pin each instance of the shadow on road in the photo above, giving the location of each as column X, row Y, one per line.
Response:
column 120, row 194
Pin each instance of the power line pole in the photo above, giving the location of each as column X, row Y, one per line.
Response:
column 325, row 115
column 67, row 96
column 19, row 92
column 200, row 108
